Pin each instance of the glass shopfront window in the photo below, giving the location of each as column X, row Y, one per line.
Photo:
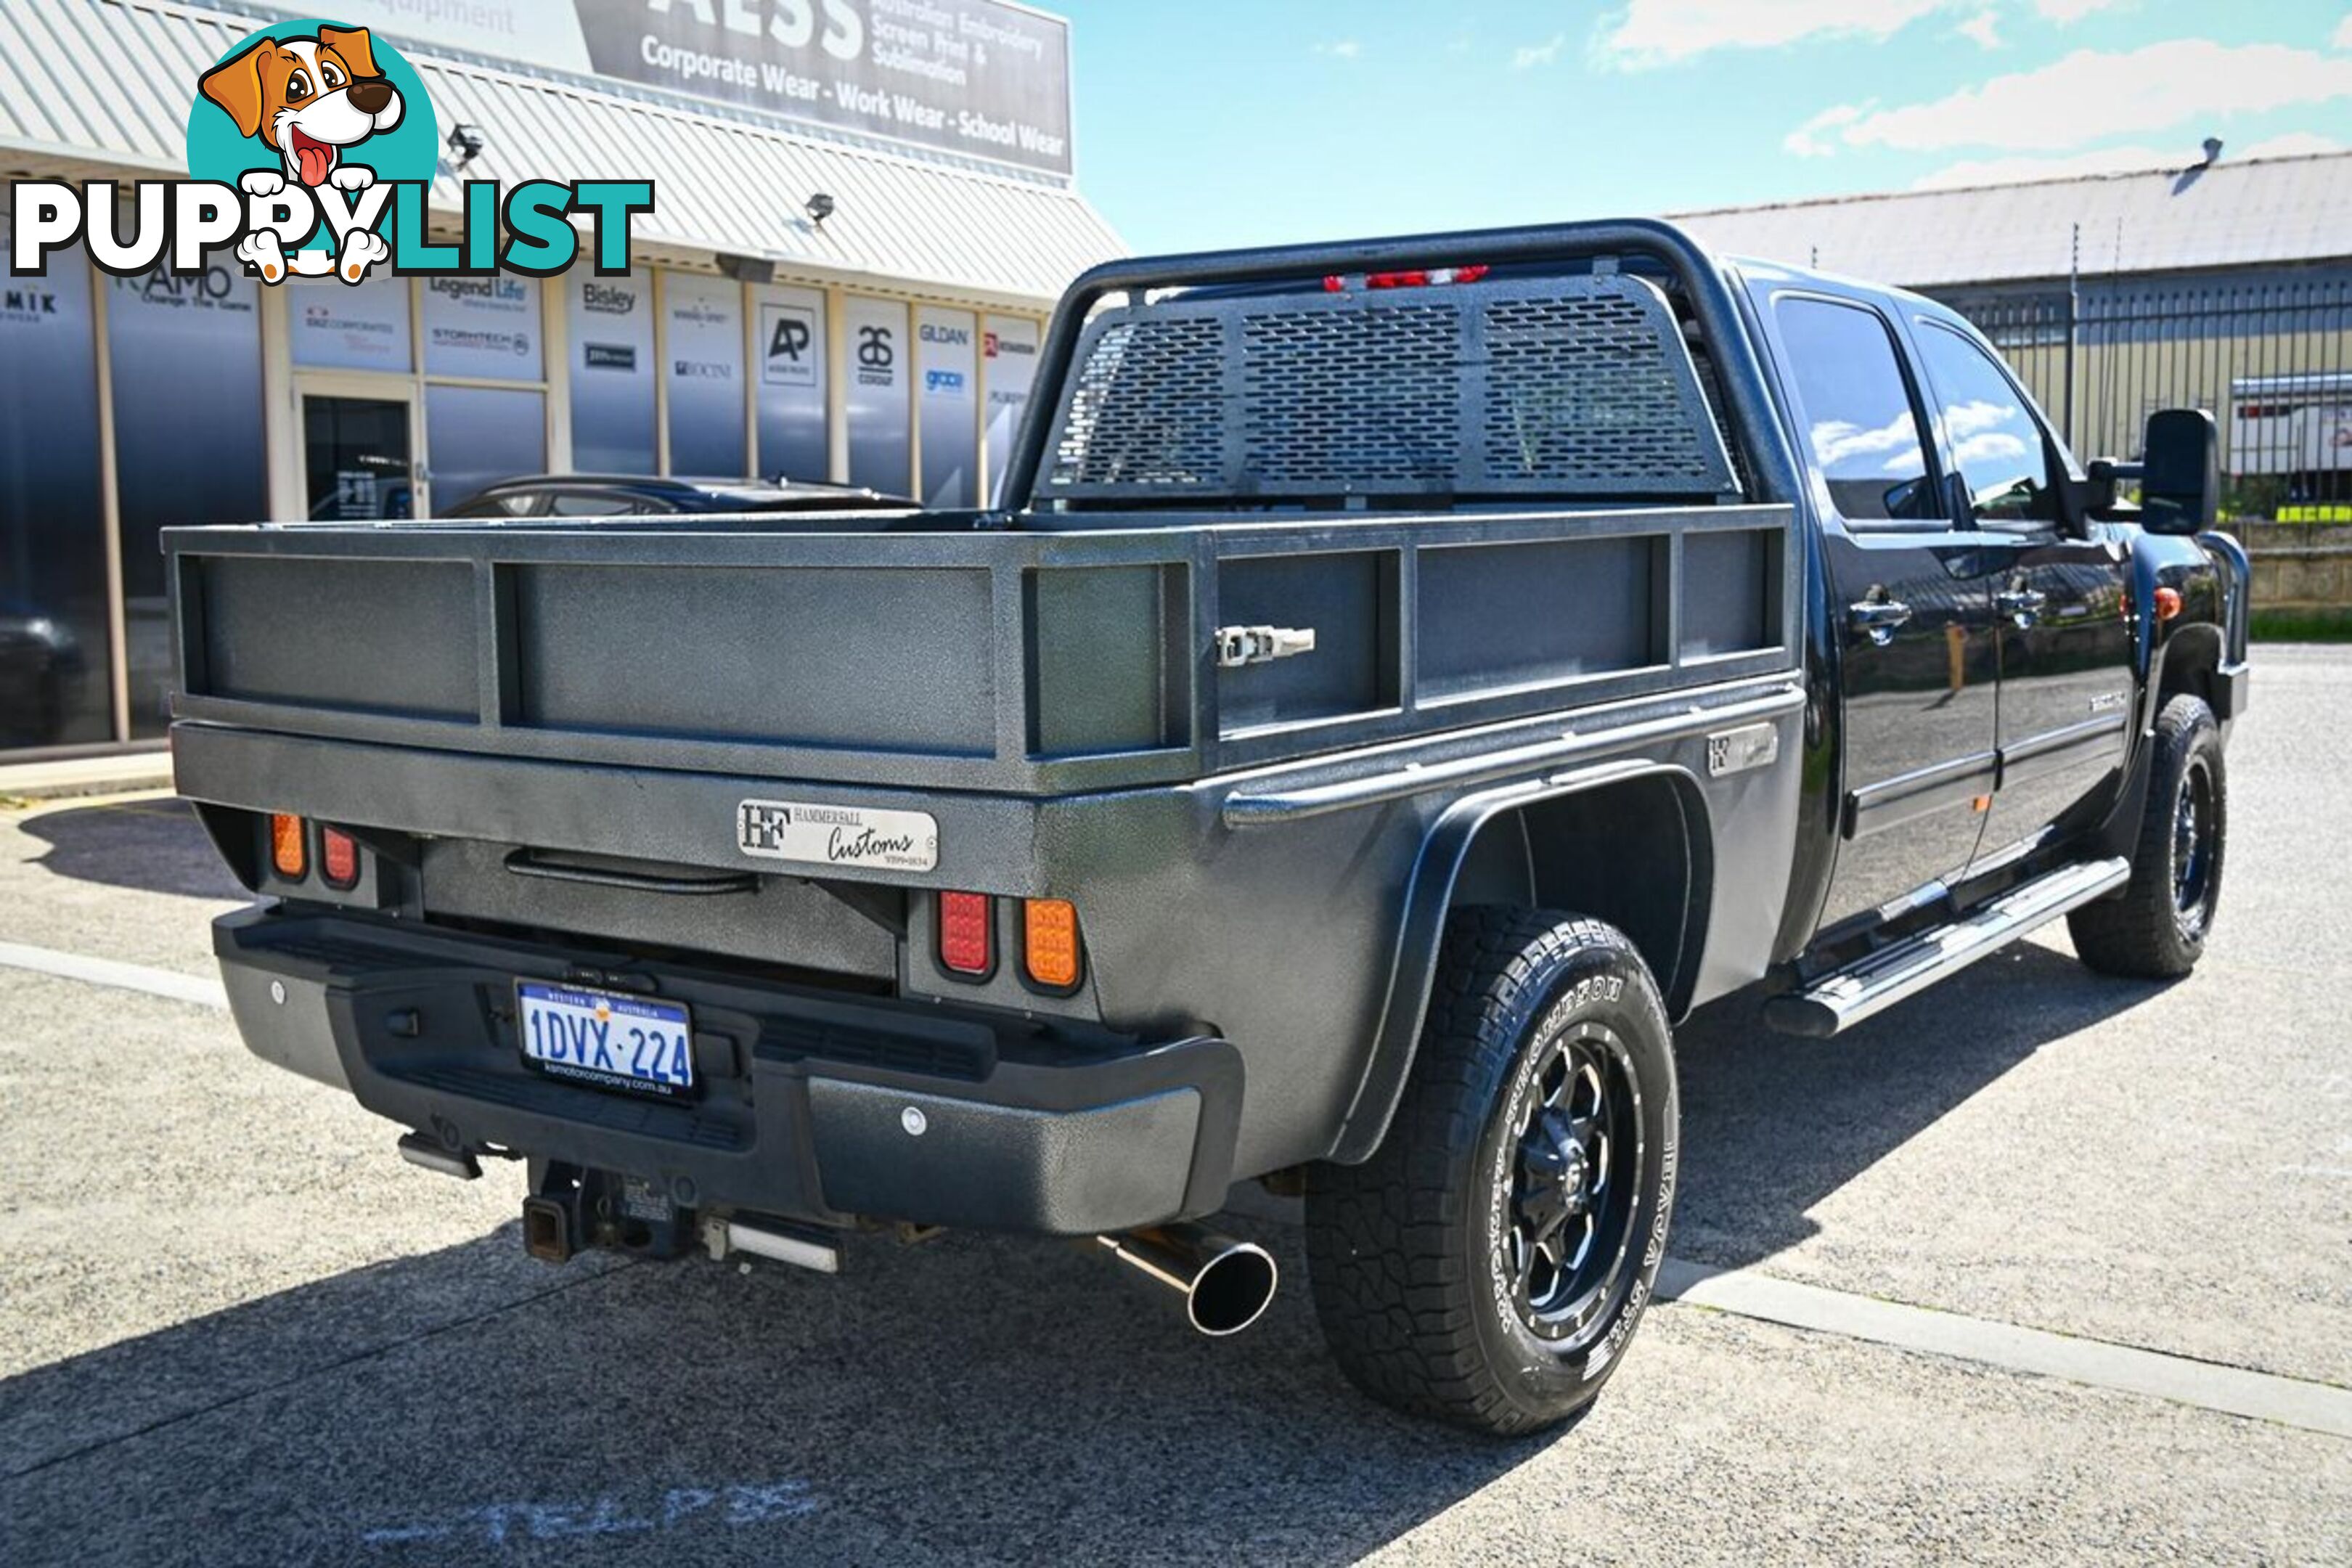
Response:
column 610, row 323
column 881, row 437
column 177, row 459
column 349, row 326
column 789, row 324
column 1008, row 359
column 703, row 362
column 476, row 436
column 56, row 685
column 950, row 409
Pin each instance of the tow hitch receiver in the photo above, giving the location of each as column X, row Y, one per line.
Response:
column 547, row 1230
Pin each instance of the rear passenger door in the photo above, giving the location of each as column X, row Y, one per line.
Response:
column 1911, row 602
column 2064, row 722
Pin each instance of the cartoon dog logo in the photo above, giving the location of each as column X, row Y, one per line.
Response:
column 308, row 101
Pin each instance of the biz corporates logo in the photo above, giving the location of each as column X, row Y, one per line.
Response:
column 312, row 150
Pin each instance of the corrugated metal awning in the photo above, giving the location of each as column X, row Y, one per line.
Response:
column 90, row 86
column 2258, row 212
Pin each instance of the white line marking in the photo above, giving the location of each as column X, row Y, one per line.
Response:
column 192, row 988
column 2264, row 1396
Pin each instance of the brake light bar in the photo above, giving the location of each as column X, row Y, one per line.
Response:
column 1428, row 278
column 967, row 934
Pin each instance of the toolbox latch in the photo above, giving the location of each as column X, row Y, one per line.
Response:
column 1238, row 646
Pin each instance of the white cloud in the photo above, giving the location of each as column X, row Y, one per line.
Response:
column 1528, row 56
column 1807, row 141
column 2342, row 38
column 2089, row 94
column 2065, row 11
column 1345, row 49
column 1659, row 32
column 1983, row 29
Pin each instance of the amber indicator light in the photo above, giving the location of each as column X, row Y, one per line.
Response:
column 288, row 854
column 1049, row 942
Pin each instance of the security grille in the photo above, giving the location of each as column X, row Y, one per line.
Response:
column 1563, row 387
column 1146, row 410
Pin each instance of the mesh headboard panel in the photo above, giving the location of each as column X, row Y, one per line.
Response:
column 1560, row 386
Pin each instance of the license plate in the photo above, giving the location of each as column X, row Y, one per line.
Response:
column 610, row 1040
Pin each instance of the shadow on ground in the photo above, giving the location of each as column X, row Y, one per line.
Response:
column 968, row 1400
column 1772, row 1124
column 155, row 846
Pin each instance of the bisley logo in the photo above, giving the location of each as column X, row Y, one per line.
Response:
column 311, row 150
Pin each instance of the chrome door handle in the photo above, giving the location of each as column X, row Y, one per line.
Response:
column 1877, row 619
column 2022, row 606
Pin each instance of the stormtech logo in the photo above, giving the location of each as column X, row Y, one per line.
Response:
column 312, row 150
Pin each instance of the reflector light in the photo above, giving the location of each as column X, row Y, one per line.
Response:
column 2168, row 603
column 339, row 859
column 1049, row 942
column 288, row 851
column 967, row 934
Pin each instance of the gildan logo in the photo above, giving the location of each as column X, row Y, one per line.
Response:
column 311, row 150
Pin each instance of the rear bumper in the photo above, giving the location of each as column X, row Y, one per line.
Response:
column 802, row 1095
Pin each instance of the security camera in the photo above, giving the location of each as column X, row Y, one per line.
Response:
column 820, row 207
column 467, row 142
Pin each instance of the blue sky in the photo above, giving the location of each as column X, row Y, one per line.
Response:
column 1222, row 122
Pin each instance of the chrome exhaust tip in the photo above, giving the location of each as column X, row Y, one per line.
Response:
column 1226, row 1284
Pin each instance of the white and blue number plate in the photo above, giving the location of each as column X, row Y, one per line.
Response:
column 605, row 1038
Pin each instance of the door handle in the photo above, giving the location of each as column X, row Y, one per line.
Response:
column 2022, row 606
column 1877, row 619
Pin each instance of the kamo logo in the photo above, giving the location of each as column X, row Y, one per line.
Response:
column 311, row 149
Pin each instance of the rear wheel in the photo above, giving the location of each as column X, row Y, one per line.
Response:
column 2155, row 928
column 1487, row 1264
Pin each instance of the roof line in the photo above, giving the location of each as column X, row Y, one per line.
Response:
column 1859, row 198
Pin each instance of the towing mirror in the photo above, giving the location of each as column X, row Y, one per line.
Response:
column 2180, row 482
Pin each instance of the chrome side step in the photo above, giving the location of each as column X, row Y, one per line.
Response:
column 1844, row 998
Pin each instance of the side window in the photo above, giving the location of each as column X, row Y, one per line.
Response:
column 591, row 503
column 1855, row 410
column 1997, row 444
column 513, row 504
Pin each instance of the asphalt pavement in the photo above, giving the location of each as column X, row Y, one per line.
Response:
column 236, row 1329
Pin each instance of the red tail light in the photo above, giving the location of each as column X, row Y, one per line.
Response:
column 289, row 852
column 967, row 934
column 338, row 859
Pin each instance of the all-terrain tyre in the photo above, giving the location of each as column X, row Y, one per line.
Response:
column 1488, row 1264
column 2155, row 928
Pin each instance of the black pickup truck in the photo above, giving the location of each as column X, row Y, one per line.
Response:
column 1397, row 681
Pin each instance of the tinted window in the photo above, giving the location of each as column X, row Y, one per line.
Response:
column 588, row 503
column 1996, row 444
column 513, row 504
column 1854, row 410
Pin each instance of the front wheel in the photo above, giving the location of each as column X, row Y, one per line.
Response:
column 2155, row 928
column 1489, row 1262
